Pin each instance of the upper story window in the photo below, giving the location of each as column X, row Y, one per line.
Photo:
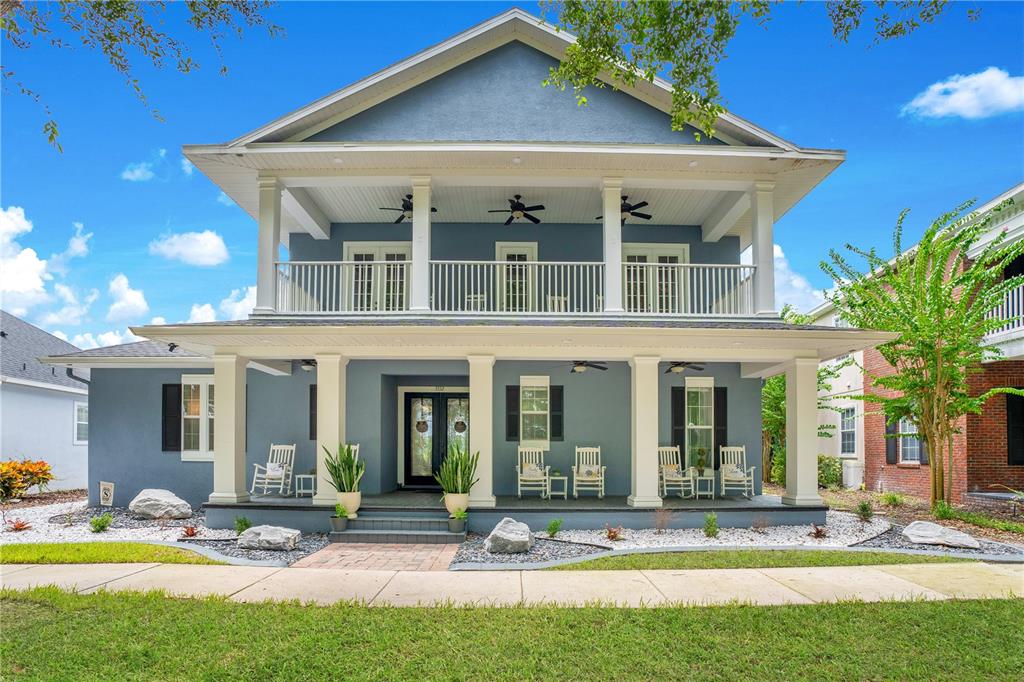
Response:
column 848, row 431
column 81, row 435
column 535, row 412
column 197, row 417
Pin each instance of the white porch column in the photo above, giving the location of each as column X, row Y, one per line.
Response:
column 481, row 427
column 611, row 201
column 644, row 432
column 229, row 470
column 763, row 247
column 267, row 244
column 802, row 433
column 330, row 419
column 419, row 293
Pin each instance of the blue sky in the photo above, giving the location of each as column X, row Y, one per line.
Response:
column 121, row 178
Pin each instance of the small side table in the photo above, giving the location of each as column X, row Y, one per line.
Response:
column 564, row 481
column 709, row 488
column 305, row 484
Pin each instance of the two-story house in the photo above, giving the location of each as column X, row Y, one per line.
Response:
column 990, row 446
column 474, row 258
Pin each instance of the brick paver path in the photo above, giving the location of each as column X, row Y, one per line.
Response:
column 381, row 557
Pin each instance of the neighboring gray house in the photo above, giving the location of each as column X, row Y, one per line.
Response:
column 44, row 412
column 581, row 283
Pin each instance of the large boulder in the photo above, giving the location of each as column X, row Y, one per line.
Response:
column 928, row 533
column 509, row 537
column 269, row 537
column 156, row 503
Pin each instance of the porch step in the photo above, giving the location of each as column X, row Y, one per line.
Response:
column 367, row 522
column 405, row 537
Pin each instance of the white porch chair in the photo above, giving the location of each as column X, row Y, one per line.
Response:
column 276, row 473
column 531, row 474
column 734, row 472
column 588, row 473
column 557, row 304
column 671, row 473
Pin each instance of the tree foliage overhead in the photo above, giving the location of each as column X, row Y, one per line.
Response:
column 122, row 30
column 942, row 304
column 685, row 40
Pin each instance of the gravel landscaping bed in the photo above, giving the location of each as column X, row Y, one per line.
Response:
column 308, row 544
column 48, row 497
column 894, row 539
column 843, row 530
column 472, row 552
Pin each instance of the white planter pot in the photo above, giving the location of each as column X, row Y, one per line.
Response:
column 456, row 501
column 351, row 502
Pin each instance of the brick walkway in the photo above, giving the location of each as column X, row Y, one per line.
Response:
column 381, row 557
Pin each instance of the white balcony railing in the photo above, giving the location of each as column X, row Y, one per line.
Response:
column 1012, row 309
column 342, row 287
column 685, row 289
column 516, row 287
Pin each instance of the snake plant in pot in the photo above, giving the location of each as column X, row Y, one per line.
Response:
column 456, row 477
column 346, row 470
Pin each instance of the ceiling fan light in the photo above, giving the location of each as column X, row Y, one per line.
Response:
column 578, row 368
column 677, row 369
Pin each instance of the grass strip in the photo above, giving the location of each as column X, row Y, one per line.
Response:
column 762, row 558
column 98, row 553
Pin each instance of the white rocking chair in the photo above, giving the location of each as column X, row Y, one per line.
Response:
column 671, row 473
column 531, row 474
column 588, row 473
column 734, row 472
column 276, row 473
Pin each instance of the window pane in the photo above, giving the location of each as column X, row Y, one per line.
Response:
column 209, row 417
column 81, row 432
column 190, row 400
column 535, row 427
column 698, row 406
column 534, row 399
column 190, row 434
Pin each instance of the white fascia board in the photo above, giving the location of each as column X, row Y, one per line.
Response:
column 267, row 366
column 724, row 216
column 43, row 385
column 301, row 206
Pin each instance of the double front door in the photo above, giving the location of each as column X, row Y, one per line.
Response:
column 433, row 422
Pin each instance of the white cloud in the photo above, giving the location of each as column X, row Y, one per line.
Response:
column 976, row 95
column 202, row 313
column 158, row 320
column 74, row 310
column 23, row 273
column 239, row 303
column 78, row 247
column 61, row 335
column 111, row 338
column 223, row 198
column 142, row 171
column 791, row 287
column 128, row 302
column 187, row 166
column 194, row 248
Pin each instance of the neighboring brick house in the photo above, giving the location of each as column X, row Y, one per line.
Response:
column 989, row 448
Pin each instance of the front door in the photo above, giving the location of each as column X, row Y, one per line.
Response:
column 433, row 422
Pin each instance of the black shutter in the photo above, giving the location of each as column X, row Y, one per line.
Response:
column 721, row 430
column 678, row 408
column 312, row 411
column 923, row 449
column 1014, row 430
column 512, row 413
column 891, row 444
column 170, row 438
column 557, row 413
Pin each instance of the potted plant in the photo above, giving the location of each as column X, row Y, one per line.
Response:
column 339, row 521
column 457, row 521
column 346, row 470
column 456, row 477
column 701, row 461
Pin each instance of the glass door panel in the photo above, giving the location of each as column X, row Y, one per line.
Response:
column 433, row 422
column 421, row 437
column 458, row 423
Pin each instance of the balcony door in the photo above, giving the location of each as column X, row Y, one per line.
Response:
column 377, row 278
column 433, row 422
column 516, row 280
column 653, row 282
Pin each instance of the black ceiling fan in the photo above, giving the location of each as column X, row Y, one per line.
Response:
column 627, row 209
column 581, row 366
column 517, row 209
column 406, row 209
column 680, row 367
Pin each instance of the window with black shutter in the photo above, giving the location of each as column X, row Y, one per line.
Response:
column 557, row 413
column 512, row 412
column 892, row 444
column 678, row 409
column 170, row 437
column 312, row 411
column 1014, row 430
column 721, row 422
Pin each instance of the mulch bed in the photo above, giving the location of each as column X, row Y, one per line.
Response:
column 49, row 497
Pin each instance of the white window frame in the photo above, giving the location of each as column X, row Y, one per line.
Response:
column 652, row 251
column 205, row 452
column 908, row 431
column 75, row 422
column 700, row 383
column 852, row 423
column 535, row 382
column 380, row 295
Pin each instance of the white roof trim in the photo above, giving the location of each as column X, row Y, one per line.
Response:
column 42, row 384
column 521, row 25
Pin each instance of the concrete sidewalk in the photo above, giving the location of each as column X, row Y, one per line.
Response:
column 766, row 586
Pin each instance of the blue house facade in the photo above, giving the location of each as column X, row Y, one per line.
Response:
column 494, row 266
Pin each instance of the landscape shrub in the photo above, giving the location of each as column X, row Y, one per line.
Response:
column 891, row 499
column 554, row 525
column 17, row 476
column 711, row 525
column 830, row 472
column 101, row 523
column 242, row 524
column 864, row 511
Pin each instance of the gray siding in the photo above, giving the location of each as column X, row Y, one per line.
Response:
column 499, row 97
column 39, row 423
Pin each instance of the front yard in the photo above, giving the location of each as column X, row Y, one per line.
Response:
column 134, row 636
column 98, row 553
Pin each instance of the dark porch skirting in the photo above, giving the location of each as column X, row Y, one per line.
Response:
column 582, row 513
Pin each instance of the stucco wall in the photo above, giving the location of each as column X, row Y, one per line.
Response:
column 499, row 97
column 38, row 423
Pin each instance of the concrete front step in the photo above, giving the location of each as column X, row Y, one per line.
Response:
column 405, row 537
column 398, row 523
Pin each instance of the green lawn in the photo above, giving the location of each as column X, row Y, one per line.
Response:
column 98, row 553
column 748, row 559
column 49, row 634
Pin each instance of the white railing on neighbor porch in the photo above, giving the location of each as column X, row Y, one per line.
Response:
column 1012, row 309
column 688, row 289
column 524, row 286
column 342, row 287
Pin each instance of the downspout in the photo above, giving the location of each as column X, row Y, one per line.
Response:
column 71, row 375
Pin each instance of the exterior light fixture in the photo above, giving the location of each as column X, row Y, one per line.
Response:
column 308, row 365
